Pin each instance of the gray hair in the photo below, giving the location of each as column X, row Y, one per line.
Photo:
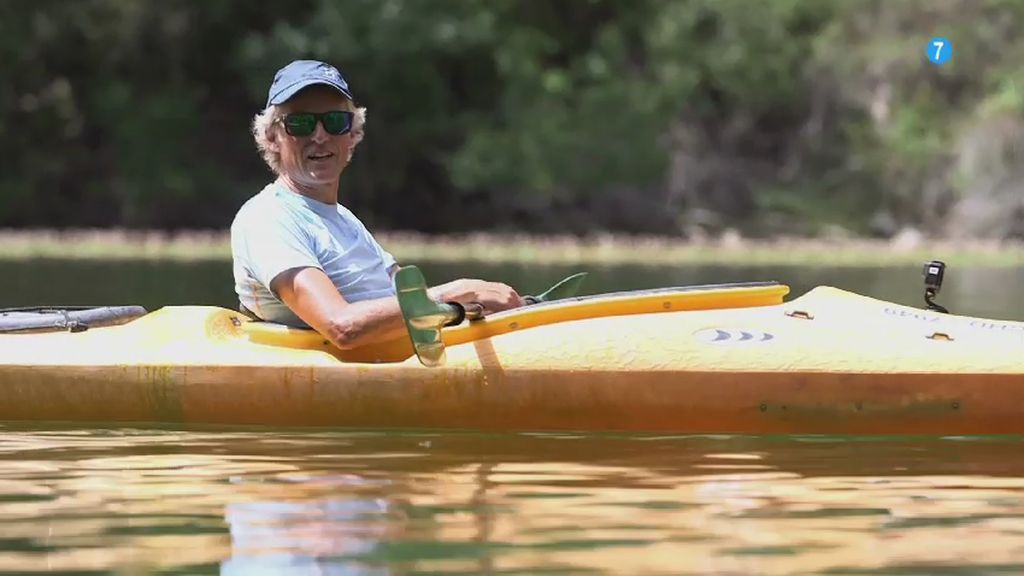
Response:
column 264, row 122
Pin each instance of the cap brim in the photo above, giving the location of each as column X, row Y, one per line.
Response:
column 285, row 94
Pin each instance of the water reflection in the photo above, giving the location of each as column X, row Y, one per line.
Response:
column 297, row 502
column 311, row 537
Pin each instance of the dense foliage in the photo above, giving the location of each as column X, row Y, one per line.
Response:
column 648, row 116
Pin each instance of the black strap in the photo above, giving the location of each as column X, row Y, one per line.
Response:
column 252, row 316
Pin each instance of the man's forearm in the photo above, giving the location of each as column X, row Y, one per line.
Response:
column 371, row 321
column 367, row 322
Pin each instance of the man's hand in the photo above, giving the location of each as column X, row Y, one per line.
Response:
column 493, row 296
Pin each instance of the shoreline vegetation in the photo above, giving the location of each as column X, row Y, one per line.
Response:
column 642, row 117
column 604, row 249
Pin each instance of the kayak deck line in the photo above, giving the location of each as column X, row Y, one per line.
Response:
column 712, row 359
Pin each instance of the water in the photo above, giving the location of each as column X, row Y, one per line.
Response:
column 263, row 501
column 134, row 501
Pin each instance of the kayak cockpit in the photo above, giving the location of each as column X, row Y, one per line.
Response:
column 705, row 297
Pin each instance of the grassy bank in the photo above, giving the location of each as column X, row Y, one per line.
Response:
column 607, row 249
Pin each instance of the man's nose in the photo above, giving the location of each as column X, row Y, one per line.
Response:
column 319, row 134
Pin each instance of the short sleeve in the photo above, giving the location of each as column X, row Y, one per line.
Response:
column 266, row 247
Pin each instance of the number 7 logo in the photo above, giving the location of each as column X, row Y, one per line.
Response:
column 939, row 50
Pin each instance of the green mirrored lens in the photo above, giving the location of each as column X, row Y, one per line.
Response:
column 337, row 122
column 300, row 124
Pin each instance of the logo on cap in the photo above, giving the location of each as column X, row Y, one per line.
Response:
column 330, row 72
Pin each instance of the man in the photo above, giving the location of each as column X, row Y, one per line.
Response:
column 300, row 257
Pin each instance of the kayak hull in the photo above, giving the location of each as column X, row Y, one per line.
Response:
column 665, row 401
column 828, row 362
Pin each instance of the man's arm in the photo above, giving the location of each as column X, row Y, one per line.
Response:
column 314, row 298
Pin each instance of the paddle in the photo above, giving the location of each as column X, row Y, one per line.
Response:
column 424, row 317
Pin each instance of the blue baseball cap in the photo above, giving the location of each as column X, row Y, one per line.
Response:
column 302, row 74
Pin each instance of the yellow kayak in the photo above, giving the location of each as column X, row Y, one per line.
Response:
column 723, row 358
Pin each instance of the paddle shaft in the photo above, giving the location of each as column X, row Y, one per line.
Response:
column 460, row 312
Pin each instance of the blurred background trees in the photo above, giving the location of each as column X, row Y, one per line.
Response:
column 782, row 117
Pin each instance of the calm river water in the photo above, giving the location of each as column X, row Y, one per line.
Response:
column 156, row 500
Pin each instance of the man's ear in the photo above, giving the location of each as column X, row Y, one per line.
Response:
column 273, row 144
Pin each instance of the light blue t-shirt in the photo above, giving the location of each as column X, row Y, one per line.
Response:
column 277, row 230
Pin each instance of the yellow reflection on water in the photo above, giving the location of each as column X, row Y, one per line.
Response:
column 374, row 503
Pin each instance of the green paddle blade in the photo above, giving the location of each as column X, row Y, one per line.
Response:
column 423, row 317
column 566, row 288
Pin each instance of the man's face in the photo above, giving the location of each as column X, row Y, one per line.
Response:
column 319, row 158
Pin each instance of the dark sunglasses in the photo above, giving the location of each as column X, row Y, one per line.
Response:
column 336, row 122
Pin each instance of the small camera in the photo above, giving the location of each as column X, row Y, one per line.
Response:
column 933, row 273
